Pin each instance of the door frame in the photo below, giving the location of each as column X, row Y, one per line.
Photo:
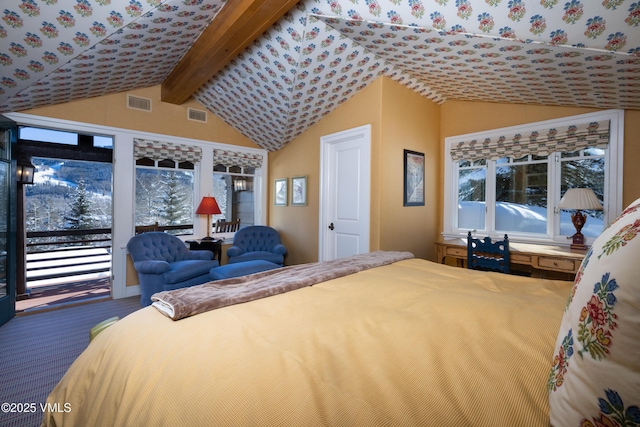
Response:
column 8, row 301
column 117, row 170
column 326, row 142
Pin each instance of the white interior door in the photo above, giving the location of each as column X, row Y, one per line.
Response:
column 345, row 193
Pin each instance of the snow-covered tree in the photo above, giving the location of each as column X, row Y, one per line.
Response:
column 80, row 216
column 149, row 191
column 174, row 208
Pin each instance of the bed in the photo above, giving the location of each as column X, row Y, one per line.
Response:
column 402, row 342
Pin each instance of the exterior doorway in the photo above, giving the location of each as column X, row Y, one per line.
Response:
column 67, row 219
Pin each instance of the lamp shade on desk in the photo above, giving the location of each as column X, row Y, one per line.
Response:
column 579, row 199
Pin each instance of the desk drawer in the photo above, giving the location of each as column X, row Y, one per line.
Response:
column 557, row 264
column 456, row 252
column 517, row 258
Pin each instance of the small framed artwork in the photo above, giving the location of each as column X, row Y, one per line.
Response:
column 299, row 191
column 281, row 191
column 413, row 178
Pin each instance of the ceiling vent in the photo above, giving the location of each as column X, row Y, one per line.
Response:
column 138, row 103
column 197, row 115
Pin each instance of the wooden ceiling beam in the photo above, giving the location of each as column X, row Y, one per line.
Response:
column 235, row 27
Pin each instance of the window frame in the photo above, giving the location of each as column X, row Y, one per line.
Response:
column 158, row 167
column 613, row 179
column 255, row 176
column 260, row 179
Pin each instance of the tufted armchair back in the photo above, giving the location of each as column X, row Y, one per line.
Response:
column 257, row 242
column 157, row 246
column 164, row 263
column 256, row 238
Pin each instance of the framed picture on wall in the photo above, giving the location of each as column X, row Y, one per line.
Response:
column 281, row 191
column 299, row 191
column 413, row 178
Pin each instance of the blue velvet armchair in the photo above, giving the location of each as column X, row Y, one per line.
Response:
column 257, row 242
column 163, row 263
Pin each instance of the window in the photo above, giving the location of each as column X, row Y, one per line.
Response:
column 48, row 135
column 587, row 168
column 29, row 133
column 234, row 192
column 235, row 175
column 67, row 194
column 512, row 181
column 165, row 185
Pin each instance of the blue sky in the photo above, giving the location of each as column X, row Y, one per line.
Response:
column 60, row 137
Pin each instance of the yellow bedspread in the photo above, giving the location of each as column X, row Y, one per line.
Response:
column 411, row 343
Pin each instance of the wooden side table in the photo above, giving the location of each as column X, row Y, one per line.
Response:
column 214, row 246
column 541, row 258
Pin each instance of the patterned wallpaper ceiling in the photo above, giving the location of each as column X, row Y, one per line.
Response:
column 575, row 53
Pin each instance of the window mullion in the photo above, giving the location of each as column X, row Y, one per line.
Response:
column 610, row 190
column 490, row 198
column 553, row 195
column 455, row 178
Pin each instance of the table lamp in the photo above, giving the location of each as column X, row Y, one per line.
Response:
column 208, row 206
column 579, row 199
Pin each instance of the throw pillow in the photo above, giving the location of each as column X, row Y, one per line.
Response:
column 595, row 375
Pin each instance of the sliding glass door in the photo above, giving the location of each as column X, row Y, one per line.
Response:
column 8, row 132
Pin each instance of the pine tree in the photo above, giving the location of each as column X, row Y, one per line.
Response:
column 174, row 210
column 80, row 215
column 149, row 194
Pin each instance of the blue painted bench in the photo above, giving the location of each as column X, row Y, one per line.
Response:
column 241, row 269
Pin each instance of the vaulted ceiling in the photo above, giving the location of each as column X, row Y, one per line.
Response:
column 273, row 68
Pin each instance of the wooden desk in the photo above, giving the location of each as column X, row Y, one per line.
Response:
column 539, row 258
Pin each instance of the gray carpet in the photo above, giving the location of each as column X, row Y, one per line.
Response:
column 37, row 349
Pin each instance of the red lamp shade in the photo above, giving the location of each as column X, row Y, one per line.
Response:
column 208, row 206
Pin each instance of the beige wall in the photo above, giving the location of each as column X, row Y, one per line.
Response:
column 165, row 118
column 409, row 121
column 631, row 182
column 399, row 119
column 404, row 120
column 298, row 225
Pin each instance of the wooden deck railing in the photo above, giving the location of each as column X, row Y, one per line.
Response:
column 57, row 254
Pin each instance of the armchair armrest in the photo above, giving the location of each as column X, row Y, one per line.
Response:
column 279, row 249
column 234, row 251
column 151, row 266
column 199, row 254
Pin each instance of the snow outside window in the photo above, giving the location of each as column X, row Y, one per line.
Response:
column 519, row 196
column 164, row 194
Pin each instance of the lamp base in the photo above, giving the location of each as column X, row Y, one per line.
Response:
column 578, row 219
column 578, row 242
column 208, row 238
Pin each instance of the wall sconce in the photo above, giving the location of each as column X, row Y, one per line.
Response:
column 240, row 184
column 579, row 199
column 25, row 172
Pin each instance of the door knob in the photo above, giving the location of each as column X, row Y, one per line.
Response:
column 331, row 227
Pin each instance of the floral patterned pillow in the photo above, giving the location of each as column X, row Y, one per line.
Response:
column 595, row 377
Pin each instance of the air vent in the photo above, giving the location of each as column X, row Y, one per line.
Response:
column 197, row 115
column 137, row 103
